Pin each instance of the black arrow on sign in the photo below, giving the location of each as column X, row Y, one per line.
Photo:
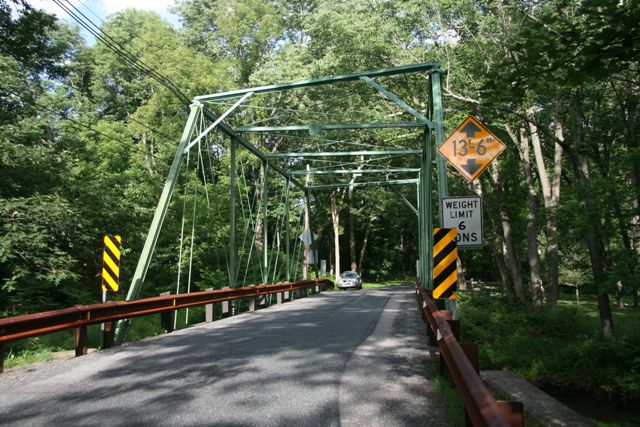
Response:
column 470, row 129
column 471, row 167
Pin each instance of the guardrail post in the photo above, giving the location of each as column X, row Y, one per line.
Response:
column 252, row 301
column 1, row 357
column 471, row 350
column 80, row 335
column 455, row 328
column 301, row 292
column 262, row 301
column 226, row 307
column 446, row 315
column 286, row 296
column 109, row 335
column 166, row 317
column 209, row 312
column 513, row 411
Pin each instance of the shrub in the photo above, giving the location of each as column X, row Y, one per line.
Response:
column 561, row 349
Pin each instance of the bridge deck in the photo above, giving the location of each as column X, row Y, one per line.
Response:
column 349, row 358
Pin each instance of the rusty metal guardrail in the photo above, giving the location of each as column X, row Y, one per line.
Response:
column 461, row 363
column 81, row 316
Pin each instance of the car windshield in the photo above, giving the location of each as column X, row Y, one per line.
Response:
column 349, row 275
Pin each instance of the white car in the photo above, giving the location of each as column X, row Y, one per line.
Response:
column 349, row 279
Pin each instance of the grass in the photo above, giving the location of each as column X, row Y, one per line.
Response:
column 451, row 398
column 383, row 284
column 27, row 357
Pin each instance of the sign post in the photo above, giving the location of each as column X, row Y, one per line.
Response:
column 110, row 281
column 465, row 215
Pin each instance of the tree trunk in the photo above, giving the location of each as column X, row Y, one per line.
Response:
column 307, row 225
column 629, row 115
column 498, row 251
column 537, row 291
column 364, row 247
column 594, row 243
column 512, row 260
column 352, row 233
column 496, row 246
column 335, row 220
column 551, row 198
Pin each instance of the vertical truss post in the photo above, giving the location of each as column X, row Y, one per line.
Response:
column 423, row 235
column 307, row 195
column 287, row 227
column 443, row 187
column 233, row 249
column 265, row 244
column 425, row 210
column 420, row 232
column 438, row 118
column 158, row 218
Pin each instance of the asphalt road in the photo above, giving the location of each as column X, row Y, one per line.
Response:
column 339, row 358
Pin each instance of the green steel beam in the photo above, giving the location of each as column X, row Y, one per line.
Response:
column 346, row 153
column 158, row 218
column 363, row 184
column 228, row 130
column 217, row 122
column 265, row 236
column 287, row 228
column 233, row 250
column 420, row 233
column 437, row 116
column 426, row 210
column 406, row 202
column 397, row 100
column 428, row 66
column 352, row 171
column 319, row 127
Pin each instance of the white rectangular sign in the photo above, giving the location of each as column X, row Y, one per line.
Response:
column 465, row 215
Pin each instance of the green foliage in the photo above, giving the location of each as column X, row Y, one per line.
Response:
column 27, row 357
column 452, row 400
column 561, row 349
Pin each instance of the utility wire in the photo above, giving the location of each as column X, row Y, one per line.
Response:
column 62, row 82
column 116, row 47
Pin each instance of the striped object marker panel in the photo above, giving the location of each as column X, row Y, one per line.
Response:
column 111, row 263
column 445, row 263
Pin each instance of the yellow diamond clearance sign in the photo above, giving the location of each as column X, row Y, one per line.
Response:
column 471, row 148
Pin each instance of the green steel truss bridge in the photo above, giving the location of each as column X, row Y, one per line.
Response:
column 220, row 117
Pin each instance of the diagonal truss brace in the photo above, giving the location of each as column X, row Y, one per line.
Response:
column 406, row 202
column 422, row 119
column 217, row 122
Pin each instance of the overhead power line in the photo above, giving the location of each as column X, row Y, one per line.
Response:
column 101, row 35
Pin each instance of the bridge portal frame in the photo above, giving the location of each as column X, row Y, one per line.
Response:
column 432, row 131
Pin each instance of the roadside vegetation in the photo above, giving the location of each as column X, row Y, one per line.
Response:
column 561, row 351
column 88, row 131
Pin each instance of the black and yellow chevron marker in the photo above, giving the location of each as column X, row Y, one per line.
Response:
column 445, row 257
column 111, row 263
